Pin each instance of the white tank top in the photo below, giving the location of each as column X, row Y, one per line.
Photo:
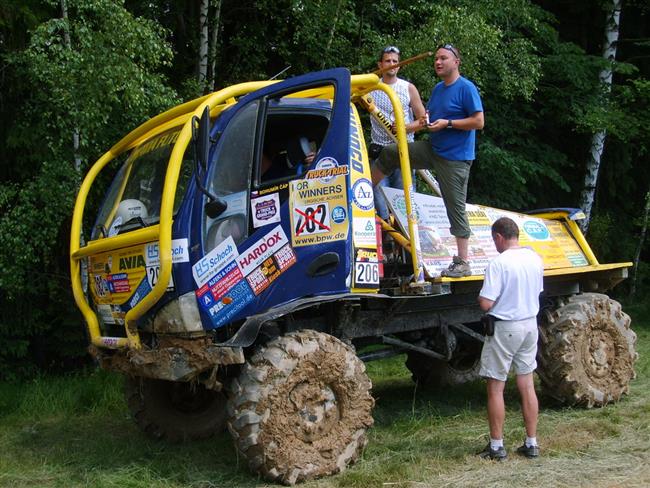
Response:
column 401, row 89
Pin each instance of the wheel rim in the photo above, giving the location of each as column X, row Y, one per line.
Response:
column 600, row 354
column 316, row 410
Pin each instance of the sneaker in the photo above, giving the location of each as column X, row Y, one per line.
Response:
column 529, row 452
column 496, row 454
column 457, row 269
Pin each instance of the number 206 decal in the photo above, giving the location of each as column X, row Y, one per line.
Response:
column 366, row 274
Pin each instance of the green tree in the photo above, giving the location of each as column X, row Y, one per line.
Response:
column 105, row 80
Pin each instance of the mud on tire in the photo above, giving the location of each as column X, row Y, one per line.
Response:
column 300, row 407
column 175, row 411
column 586, row 354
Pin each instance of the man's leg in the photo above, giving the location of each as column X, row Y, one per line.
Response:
column 529, row 404
column 380, row 202
column 496, row 407
column 463, row 247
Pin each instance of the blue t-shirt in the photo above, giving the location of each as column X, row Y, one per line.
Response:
column 456, row 101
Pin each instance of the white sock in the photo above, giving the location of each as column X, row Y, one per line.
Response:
column 495, row 443
column 531, row 441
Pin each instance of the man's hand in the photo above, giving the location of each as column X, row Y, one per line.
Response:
column 437, row 125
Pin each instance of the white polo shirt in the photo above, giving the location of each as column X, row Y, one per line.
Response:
column 514, row 280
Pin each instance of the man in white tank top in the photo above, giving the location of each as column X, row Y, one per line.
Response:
column 413, row 110
column 510, row 293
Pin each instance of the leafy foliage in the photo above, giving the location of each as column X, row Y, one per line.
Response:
column 108, row 72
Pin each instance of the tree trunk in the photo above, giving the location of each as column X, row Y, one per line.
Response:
column 203, row 43
column 598, row 139
column 637, row 256
column 214, row 37
column 68, row 45
column 332, row 31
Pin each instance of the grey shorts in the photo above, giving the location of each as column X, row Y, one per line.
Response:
column 514, row 343
column 453, row 177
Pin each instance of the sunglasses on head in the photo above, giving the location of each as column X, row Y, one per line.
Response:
column 450, row 48
column 391, row 49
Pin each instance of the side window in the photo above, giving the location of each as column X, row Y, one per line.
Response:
column 229, row 178
column 292, row 138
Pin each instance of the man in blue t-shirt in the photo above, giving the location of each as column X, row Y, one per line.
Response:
column 455, row 112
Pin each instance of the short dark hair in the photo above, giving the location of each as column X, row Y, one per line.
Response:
column 389, row 49
column 506, row 227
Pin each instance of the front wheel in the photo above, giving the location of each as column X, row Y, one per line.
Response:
column 301, row 407
column 586, row 354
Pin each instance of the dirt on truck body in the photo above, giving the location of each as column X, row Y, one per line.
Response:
column 234, row 286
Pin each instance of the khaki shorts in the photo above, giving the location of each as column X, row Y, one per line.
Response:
column 513, row 343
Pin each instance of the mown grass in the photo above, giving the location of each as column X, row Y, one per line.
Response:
column 75, row 431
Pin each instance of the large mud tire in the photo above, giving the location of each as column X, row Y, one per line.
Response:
column 429, row 372
column 587, row 351
column 175, row 411
column 301, row 407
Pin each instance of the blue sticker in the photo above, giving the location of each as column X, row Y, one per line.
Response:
column 338, row 214
column 536, row 230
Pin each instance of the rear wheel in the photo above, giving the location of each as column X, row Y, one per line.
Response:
column 587, row 351
column 175, row 411
column 301, row 407
column 462, row 368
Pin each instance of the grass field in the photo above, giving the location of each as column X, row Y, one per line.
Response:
column 75, row 431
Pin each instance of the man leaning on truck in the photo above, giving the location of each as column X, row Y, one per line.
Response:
column 510, row 295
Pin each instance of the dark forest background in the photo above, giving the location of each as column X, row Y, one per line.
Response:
column 76, row 75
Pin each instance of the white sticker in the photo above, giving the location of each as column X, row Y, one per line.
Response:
column 266, row 210
column 362, row 194
column 106, row 314
column 115, row 227
column 366, row 273
column 180, row 253
column 364, row 233
column 214, row 261
column 252, row 257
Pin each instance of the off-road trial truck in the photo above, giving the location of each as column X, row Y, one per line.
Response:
column 232, row 289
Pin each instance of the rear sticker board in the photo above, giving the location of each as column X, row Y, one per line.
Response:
column 548, row 238
column 229, row 280
column 318, row 210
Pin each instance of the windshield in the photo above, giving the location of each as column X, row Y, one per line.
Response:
column 133, row 200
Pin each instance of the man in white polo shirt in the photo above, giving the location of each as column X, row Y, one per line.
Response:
column 510, row 294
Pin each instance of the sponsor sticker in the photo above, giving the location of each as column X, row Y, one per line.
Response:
column 366, row 269
column 214, row 261
column 266, row 210
column 311, row 204
column 364, row 231
column 326, row 169
column 269, row 244
column 362, row 194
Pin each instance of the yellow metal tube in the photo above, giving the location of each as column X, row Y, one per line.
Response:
column 405, row 166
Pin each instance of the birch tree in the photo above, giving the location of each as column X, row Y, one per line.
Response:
column 598, row 139
column 214, row 38
column 203, row 43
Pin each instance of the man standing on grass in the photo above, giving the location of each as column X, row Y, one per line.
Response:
column 510, row 293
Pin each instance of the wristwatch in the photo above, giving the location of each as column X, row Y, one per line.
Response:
column 449, row 124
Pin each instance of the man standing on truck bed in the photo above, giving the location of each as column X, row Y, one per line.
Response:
column 413, row 109
column 510, row 293
column 455, row 112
